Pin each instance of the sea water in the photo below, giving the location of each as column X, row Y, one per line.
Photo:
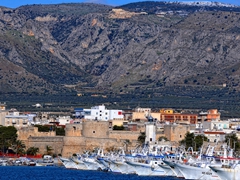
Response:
column 61, row 173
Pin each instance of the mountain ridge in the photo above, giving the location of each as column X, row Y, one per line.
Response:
column 143, row 48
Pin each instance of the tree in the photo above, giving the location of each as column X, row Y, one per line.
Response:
column 8, row 136
column 42, row 128
column 199, row 139
column 191, row 140
column 32, row 151
column 141, row 138
column 232, row 141
column 188, row 140
column 19, row 147
column 115, row 127
column 60, row 131
column 49, row 150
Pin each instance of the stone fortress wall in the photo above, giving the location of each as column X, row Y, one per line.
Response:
column 87, row 135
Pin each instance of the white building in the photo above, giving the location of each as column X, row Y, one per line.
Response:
column 215, row 136
column 216, row 125
column 102, row 114
column 63, row 120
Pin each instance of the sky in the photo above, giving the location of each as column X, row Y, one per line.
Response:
column 17, row 3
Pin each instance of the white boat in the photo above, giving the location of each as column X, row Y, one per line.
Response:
column 197, row 171
column 174, row 168
column 104, row 161
column 200, row 169
column 167, row 169
column 170, row 161
column 145, row 166
column 92, row 164
column 79, row 164
column 119, row 165
column 47, row 160
column 227, row 172
column 230, row 168
column 68, row 163
column 3, row 162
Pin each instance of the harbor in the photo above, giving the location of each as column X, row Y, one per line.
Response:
column 148, row 161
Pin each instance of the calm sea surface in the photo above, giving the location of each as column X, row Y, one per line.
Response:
column 59, row 173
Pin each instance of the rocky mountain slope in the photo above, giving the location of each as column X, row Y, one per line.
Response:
column 140, row 48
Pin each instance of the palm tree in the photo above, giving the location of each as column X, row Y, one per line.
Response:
column 49, row 150
column 19, row 147
column 32, row 151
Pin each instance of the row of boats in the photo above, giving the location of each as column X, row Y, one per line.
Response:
column 158, row 162
column 47, row 160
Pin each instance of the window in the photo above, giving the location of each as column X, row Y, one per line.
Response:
column 150, row 139
column 180, row 136
column 93, row 132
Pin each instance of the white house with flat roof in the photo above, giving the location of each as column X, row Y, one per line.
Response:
column 63, row 120
column 100, row 113
column 217, row 125
column 215, row 136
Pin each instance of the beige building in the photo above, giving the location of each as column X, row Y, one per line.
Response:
column 3, row 113
column 118, row 122
column 140, row 114
column 176, row 132
column 14, row 118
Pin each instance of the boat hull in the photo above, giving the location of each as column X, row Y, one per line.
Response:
column 226, row 173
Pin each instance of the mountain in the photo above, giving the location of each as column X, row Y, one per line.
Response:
column 168, row 52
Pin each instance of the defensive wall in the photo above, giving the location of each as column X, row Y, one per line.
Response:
column 25, row 133
column 96, row 134
column 56, row 144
